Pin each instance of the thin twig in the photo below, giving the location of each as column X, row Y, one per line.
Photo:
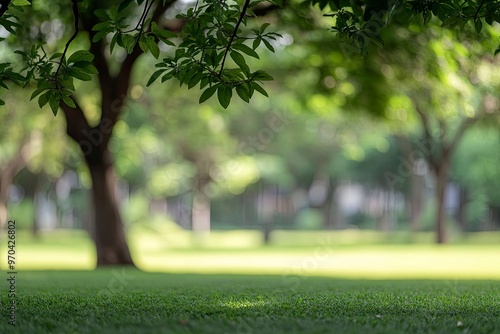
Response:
column 146, row 12
column 75, row 33
column 478, row 9
column 142, row 19
column 242, row 15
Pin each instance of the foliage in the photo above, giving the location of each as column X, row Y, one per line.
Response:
column 212, row 34
column 360, row 23
column 208, row 37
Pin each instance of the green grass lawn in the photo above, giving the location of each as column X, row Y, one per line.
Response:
column 131, row 301
column 228, row 282
column 346, row 254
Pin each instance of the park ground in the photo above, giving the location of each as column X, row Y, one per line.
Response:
column 227, row 282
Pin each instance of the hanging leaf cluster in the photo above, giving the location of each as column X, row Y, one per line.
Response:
column 213, row 52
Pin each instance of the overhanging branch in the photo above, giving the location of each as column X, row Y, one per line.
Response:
column 76, row 18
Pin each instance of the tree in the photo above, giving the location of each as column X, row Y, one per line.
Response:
column 210, row 37
column 448, row 94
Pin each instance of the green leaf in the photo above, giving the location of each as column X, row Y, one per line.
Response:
column 68, row 101
column 102, row 25
column 15, row 77
column 67, row 82
column 101, row 13
column 167, row 76
column 128, row 42
column 246, row 49
column 207, row 93
column 101, row 34
column 154, row 77
column 43, row 99
column 86, row 66
column 478, row 25
column 113, row 42
column 195, row 79
column 36, row 93
column 264, row 27
column 256, row 42
column 54, row 103
column 43, row 84
column 243, row 93
column 153, row 47
column 163, row 35
column 224, row 94
column 79, row 74
column 21, row 3
column 261, row 76
column 240, row 61
column 142, row 43
column 124, row 5
column 259, row 88
column 56, row 55
column 268, row 45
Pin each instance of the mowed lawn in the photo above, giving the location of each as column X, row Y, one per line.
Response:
column 130, row 301
column 347, row 254
column 309, row 282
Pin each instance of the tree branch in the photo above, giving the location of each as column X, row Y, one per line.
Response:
column 76, row 123
column 427, row 131
column 476, row 15
column 4, row 5
column 75, row 33
column 235, row 31
column 464, row 125
column 115, row 89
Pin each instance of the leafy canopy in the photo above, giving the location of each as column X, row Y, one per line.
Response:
column 212, row 48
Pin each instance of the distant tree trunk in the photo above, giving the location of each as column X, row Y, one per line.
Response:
column 416, row 182
column 495, row 216
column 201, row 212
column 441, row 174
column 416, row 200
column 111, row 244
column 383, row 220
column 462, row 209
column 7, row 174
column 32, row 192
column 327, row 205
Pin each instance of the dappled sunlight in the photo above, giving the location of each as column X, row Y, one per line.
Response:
column 242, row 304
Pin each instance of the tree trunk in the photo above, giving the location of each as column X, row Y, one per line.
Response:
column 110, row 241
column 441, row 181
column 416, row 200
column 201, row 212
column 33, row 193
column 462, row 209
column 7, row 174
